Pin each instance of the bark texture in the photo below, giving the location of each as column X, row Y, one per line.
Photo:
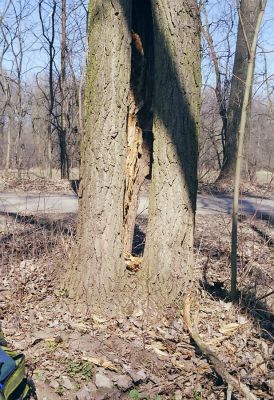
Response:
column 248, row 13
column 127, row 85
column 168, row 259
column 99, row 269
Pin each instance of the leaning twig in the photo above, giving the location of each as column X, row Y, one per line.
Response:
column 266, row 360
column 266, row 295
column 232, row 382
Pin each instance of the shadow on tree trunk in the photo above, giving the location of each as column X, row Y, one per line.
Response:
column 168, row 266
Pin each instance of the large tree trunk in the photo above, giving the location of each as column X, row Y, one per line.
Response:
column 172, row 203
column 99, row 268
column 249, row 10
column 116, row 153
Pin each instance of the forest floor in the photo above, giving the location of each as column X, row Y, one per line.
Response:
column 75, row 356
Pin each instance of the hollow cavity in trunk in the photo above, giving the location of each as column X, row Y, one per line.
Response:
column 139, row 130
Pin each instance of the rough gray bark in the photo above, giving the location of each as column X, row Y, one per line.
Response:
column 99, row 268
column 249, row 10
column 169, row 244
column 118, row 122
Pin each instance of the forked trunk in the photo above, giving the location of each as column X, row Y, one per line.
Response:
column 143, row 65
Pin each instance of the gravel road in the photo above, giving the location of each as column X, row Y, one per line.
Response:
column 68, row 203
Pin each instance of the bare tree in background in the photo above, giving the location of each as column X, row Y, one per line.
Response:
column 13, row 30
column 65, row 86
column 62, row 131
column 221, row 64
column 48, row 33
column 251, row 49
column 249, row 11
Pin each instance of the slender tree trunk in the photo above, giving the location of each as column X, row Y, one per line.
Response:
column 50, row 40
column 243, row 118
column 63, row 128
column 49, row 149
column 7, row 166
column 18, row 158
column 248, row 15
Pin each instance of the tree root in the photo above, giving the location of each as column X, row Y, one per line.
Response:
column 232, row 382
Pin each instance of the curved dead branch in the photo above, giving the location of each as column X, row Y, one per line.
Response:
column 232, row 382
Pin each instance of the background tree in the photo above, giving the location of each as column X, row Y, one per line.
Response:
column 221, row 61
column 242, row 124
column 62, row 133
column 248, row 15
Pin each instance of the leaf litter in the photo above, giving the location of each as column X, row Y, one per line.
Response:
column 88, row 357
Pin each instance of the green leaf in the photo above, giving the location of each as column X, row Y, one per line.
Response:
column 134, row 394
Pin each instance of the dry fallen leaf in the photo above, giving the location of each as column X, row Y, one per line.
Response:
column 229, row 329
column 159, row 349
column 99, row 320
column 102, row 362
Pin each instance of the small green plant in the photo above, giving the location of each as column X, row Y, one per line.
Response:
column 62, row 292
column 52, row 346
column 197, row 395
column 60, row 391
column 39, row 376
column 82, row 369
column 135, row 395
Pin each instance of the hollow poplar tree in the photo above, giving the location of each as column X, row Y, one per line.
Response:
column 142, row 120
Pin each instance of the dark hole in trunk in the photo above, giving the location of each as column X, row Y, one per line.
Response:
column 142, row 63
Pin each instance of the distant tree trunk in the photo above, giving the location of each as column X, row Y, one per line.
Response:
column 248, row 13
column 239, row 156
column 62, row 131
column 49, row 148
column 116, row 153
column 220, row 89
column 49, row 36
column 7, row 165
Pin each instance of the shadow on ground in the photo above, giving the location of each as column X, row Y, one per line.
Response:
column 249, row 303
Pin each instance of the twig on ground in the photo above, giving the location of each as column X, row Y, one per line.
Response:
column 266, row 295
column 219, row 366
